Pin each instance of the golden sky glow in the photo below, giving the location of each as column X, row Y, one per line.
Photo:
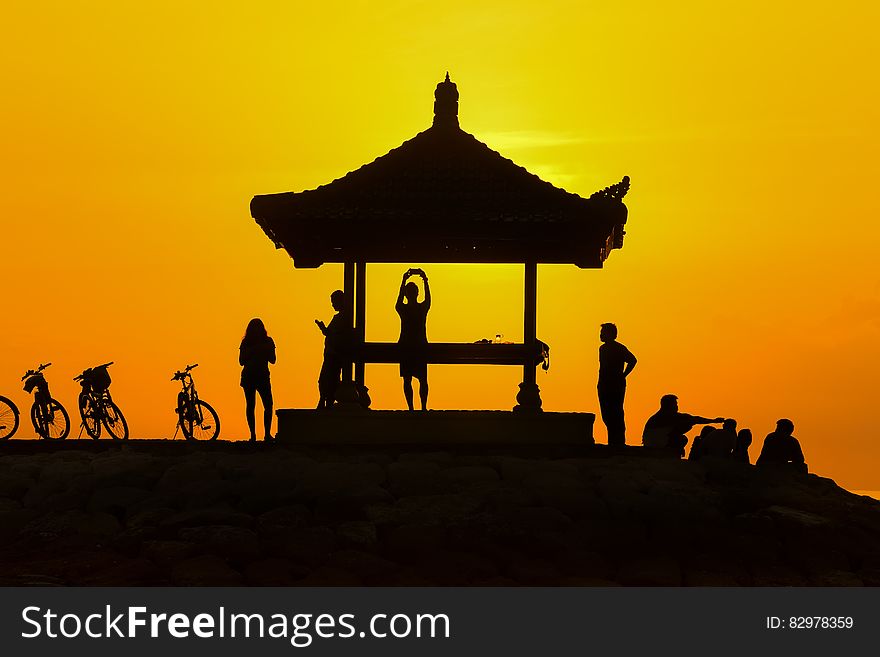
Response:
column 134, row 135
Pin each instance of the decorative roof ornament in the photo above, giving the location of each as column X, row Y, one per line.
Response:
column 444, row 196
column 446, row 103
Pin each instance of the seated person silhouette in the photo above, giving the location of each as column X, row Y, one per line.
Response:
column 720, row 443
column 337, row 343
column 697, row 446
column 413, row 341
column 666, row 428
column 781, row 449
column 741, row 450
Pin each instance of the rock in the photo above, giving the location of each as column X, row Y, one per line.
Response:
column 14, row 484
column 357, row 534
column 455, row 567
column 532, row 571
column 116, row 500
column 836, row 578
column 469, row 475
column 186, row 473
column 202, row 517
column 165, row 552
column 283, row 520
column 438, row 458
column 369, row 568
column 650, row 571
column 310, row 545
column 516, row 470
column 121, row 572
column 427, row 509
column 330, row 577
column 353, row 505
column 274, row 572
column 234, row 543
column 206, row 570
column 124, row 469
column 329, row 479
column 413, row 477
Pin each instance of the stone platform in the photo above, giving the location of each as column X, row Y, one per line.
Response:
column 436, row 428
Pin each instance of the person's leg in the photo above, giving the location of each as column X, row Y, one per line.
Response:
column 328, row 380
column 608, row 407
column 620, row 418
column 423, row 391
column 250, row 402
column 333, row 386
column 266, row 397
column 322, row 386
column 408, row 391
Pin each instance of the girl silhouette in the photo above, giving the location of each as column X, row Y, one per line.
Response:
column 257, row 350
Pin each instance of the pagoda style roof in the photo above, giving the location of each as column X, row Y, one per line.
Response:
column 443, row 196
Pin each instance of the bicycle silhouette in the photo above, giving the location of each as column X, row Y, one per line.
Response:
column 96, row 407
column 195, row 418
column 8, row 418
column 49, row 417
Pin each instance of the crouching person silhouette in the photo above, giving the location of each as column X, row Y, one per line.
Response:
column 413, row 341
column 336, row 350
column 667, row 427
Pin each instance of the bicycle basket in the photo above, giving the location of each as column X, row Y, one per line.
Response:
column 99, row 378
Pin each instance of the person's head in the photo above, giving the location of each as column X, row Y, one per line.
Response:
column 255, row 330
column 608, row 332
column 729, row 425
column 706, row 430
column 785, row 427
column 337, row 300
column 669, row 403
column 744, row 438
column 411, row 292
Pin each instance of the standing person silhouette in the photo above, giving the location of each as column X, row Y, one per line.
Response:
column 337, row 336
column 413, row 341
column 257, row 350
column 615, row 364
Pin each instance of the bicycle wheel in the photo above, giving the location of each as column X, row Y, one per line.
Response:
column 50, row 420
column 114, row 421
column 8, row 418
column 199, row 421
column 90, row 414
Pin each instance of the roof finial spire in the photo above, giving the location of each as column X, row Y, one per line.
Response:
column 446, row 103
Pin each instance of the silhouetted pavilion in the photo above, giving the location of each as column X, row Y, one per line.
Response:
column 445, row 197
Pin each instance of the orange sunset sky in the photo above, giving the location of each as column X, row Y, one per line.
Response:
column 135, row 134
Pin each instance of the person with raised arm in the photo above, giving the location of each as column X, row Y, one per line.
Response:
column 667, row 427
column 413, row 341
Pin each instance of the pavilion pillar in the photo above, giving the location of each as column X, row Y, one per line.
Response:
column 529, row 396
column 347, row 398
column 348, row 288
column 360, row 319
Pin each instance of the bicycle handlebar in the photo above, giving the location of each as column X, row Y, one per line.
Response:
column 80, row 376
column 36, row 371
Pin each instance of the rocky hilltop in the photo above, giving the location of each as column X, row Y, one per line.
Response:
column 161, row 513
